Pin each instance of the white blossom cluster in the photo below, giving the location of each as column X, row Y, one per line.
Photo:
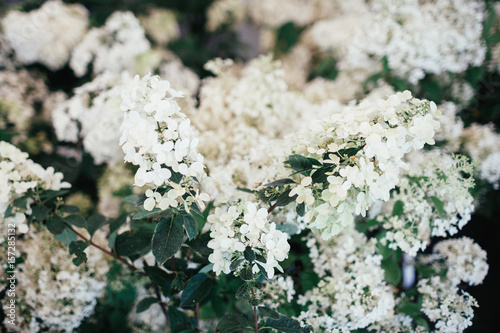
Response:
column 112, row 47
column 400, row 323
column 243, row 116
column 18, row 176
column 421, row 37
column 464, row 260
column 378, row 134
column 435, row 201
column 58, row 294
column 244, row 225
column 278, row 291
column 157, row 137
column 46, row 35
column 443, row 304
column 352, row 293
column 93, row 115
column 161, row 25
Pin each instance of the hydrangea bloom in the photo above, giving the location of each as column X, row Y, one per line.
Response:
column 245, row 225
column 18, row 176
column 364, row 146
column 157, row 137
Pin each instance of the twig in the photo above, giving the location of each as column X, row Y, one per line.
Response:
column 255, row 314
column 158, row 296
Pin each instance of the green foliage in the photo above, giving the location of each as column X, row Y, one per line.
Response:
column 268, row 312
column 196, row 290
column 190, row 225
column 145, row 304
column 133, row 244
column 55, row 225
column 287, row 325
column 77, row 248
column 167, row 238
column 232, row 322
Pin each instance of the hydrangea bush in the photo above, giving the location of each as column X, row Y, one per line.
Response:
column 157, row 177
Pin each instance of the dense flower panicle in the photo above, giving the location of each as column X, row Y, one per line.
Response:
column 93, row 114
column 364, row 146
column 46, row 35
column 18, row 175
column 245, row 225
column 112, row 47
column 442, row 303
column 435, row 201
column 278, row 291
column 157, row 137
column 351, row 294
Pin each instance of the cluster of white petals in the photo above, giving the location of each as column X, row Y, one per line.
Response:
column 352, row 293
column 93, row 115
column 46, row 35
column 364, row 146
column 244, row 225
column 442, row 303
column 157, row 137
column 18, row 176
column 278, row 291
column 112, row 47
column 435, row 201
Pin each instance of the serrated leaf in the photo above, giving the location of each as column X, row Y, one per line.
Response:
column 285, row 198
column 67, row 236
column 40, row 212
column 76, row 220
column 439, row 205
column 287, row 325
column 279, row 182
column 77, row 248
column 146, row 213
column 55, row 225
column 145, row 303
column 268, row 312
column 190, row 225
column 299, row 163
column 249, row 254
column 197, row 289
column 132, row 243
column 398, row 208
column 246, row 273
column 95, row 222
column 70, row 209
column 167, row 239
column 232, row 322
column 243, row 291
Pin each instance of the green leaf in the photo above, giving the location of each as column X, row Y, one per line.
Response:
column 190, row 225
column 287, row 325
column 131, row 244
column 290, row 229
column 159, row 276
column 67, row 236
column 70, row 209
column 55, row 225
column 199, row 244
column 167, row 239
column 118, row 222
column 246, row 273
column 40, row 212
column 22, row 201
column 320, row 175
column 197, row 289
column 131, row 200
column 268, row 312
column 439, row 205
column 140, row 201
column 235, row 264
column 285, row 198
column 76, row 220
column 393, row 272
column 145, row 303
column 145, row 214
column 178, row 319
column 243, row 291
column 77, row 248
column 301, row 209
column 299, row 163
column 48, row 195
column 411, row 309
column 179, row 282
column 95, row 222
column 232, row 322
column 280, row 182
column 249, row 254
column 398, row 208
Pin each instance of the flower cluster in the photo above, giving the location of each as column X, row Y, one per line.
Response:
column 361, row 149
column 157, row 137
column 46, row 35
column 350, row 294
column 243, row 225
column 434, row 200
column 278, row 291
column 111, row 48
column 445, row 306
column 18, row 176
